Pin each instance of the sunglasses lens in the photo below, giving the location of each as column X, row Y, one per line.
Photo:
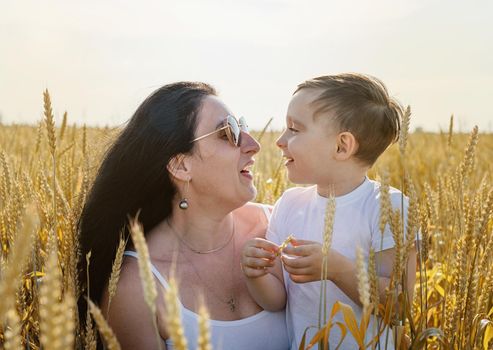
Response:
column 243, row 125
column 235, row 130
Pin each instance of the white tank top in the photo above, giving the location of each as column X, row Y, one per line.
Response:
column 263, row 331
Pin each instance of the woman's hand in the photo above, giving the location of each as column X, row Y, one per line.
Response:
column 258, row 254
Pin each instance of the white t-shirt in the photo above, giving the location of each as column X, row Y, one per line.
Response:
column 300, row 211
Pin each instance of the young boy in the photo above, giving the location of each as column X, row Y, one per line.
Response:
column 337, row 127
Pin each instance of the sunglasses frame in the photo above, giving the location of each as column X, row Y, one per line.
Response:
column 242, row 127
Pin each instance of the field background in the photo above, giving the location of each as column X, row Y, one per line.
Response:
column 46, row 172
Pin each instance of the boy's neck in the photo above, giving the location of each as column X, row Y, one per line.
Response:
column 341, row 186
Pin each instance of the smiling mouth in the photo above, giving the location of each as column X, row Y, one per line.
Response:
column 247, row 170
column 288, row 160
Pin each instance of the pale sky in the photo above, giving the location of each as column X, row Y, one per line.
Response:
column 100, row 59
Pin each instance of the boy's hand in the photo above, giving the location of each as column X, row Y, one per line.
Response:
column 258, row 254
column 305, row 263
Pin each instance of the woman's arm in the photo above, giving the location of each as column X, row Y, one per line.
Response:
column 129, row 315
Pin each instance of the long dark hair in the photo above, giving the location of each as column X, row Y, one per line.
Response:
column 133, row 177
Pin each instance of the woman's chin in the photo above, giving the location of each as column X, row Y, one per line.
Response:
column 254, row 193
column 250, row 193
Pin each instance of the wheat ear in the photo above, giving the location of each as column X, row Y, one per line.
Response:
column 50, row 122
column 327, row 240
column 173, row 318
column 12, row 335
column 145, row 272
column 204, row 340
column 16, row 261
column 404, row 130
column 363, row 280
column 115, row 273
column 56, row 318
column 104, row 328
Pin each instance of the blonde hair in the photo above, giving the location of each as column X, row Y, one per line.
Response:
column 361, row 105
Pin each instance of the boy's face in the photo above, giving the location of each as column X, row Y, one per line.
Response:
column 309, row 144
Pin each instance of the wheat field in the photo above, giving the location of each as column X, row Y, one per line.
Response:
column 47, row 170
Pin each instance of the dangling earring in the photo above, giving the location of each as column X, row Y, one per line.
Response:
column 184, row 202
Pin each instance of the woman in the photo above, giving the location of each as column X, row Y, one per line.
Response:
column 183, row 162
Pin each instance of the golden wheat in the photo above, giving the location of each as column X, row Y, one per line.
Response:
column 204, row 340
column 115, row 272
column 173, row 316
column 104, row 328
column 450, row 205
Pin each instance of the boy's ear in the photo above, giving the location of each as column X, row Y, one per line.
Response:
column 180, row 167
column 347, row 146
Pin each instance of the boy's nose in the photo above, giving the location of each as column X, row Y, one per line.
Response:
column 281, row 141
column 249, row 144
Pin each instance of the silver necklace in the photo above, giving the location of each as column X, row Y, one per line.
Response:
column 232, row 303
column 213, row 250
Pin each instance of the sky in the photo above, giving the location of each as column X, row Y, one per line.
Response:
column 100, row 59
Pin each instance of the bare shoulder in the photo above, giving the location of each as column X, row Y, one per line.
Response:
column 129, row 315
column 253, row 218
column 254, row 209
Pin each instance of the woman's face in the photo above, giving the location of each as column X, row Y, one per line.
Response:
column 221, row 171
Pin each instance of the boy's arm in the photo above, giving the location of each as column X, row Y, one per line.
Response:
column 263, row 272
column 385, row 262
column 342, row 270
column 305, row 265
column 346, row 276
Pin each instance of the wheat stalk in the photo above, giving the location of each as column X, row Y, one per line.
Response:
column 398, row 235
column 104, row 328
column 5, row 183
column 13, row 337
column 115, row 273
column 50, row 122
column 468, row 162
column 89, row 334
column 450, row 131
column 84, row 141
column 404, row 132
column 327, row 240
column 50, row 128
column 145, row 272
column 204, row 339
column 385, row 203
column 487, row 291
column 329, row 223
column 456, row 301
column 482, row 227
column 173, row 316
column 374, row 292
column 11, row 276
column 56, row 318
column 412, row 226
column 363, row 280
column 39, row 135
column 67, row 320
column 63, row 127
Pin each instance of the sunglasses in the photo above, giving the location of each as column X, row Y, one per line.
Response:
column 233, row 129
